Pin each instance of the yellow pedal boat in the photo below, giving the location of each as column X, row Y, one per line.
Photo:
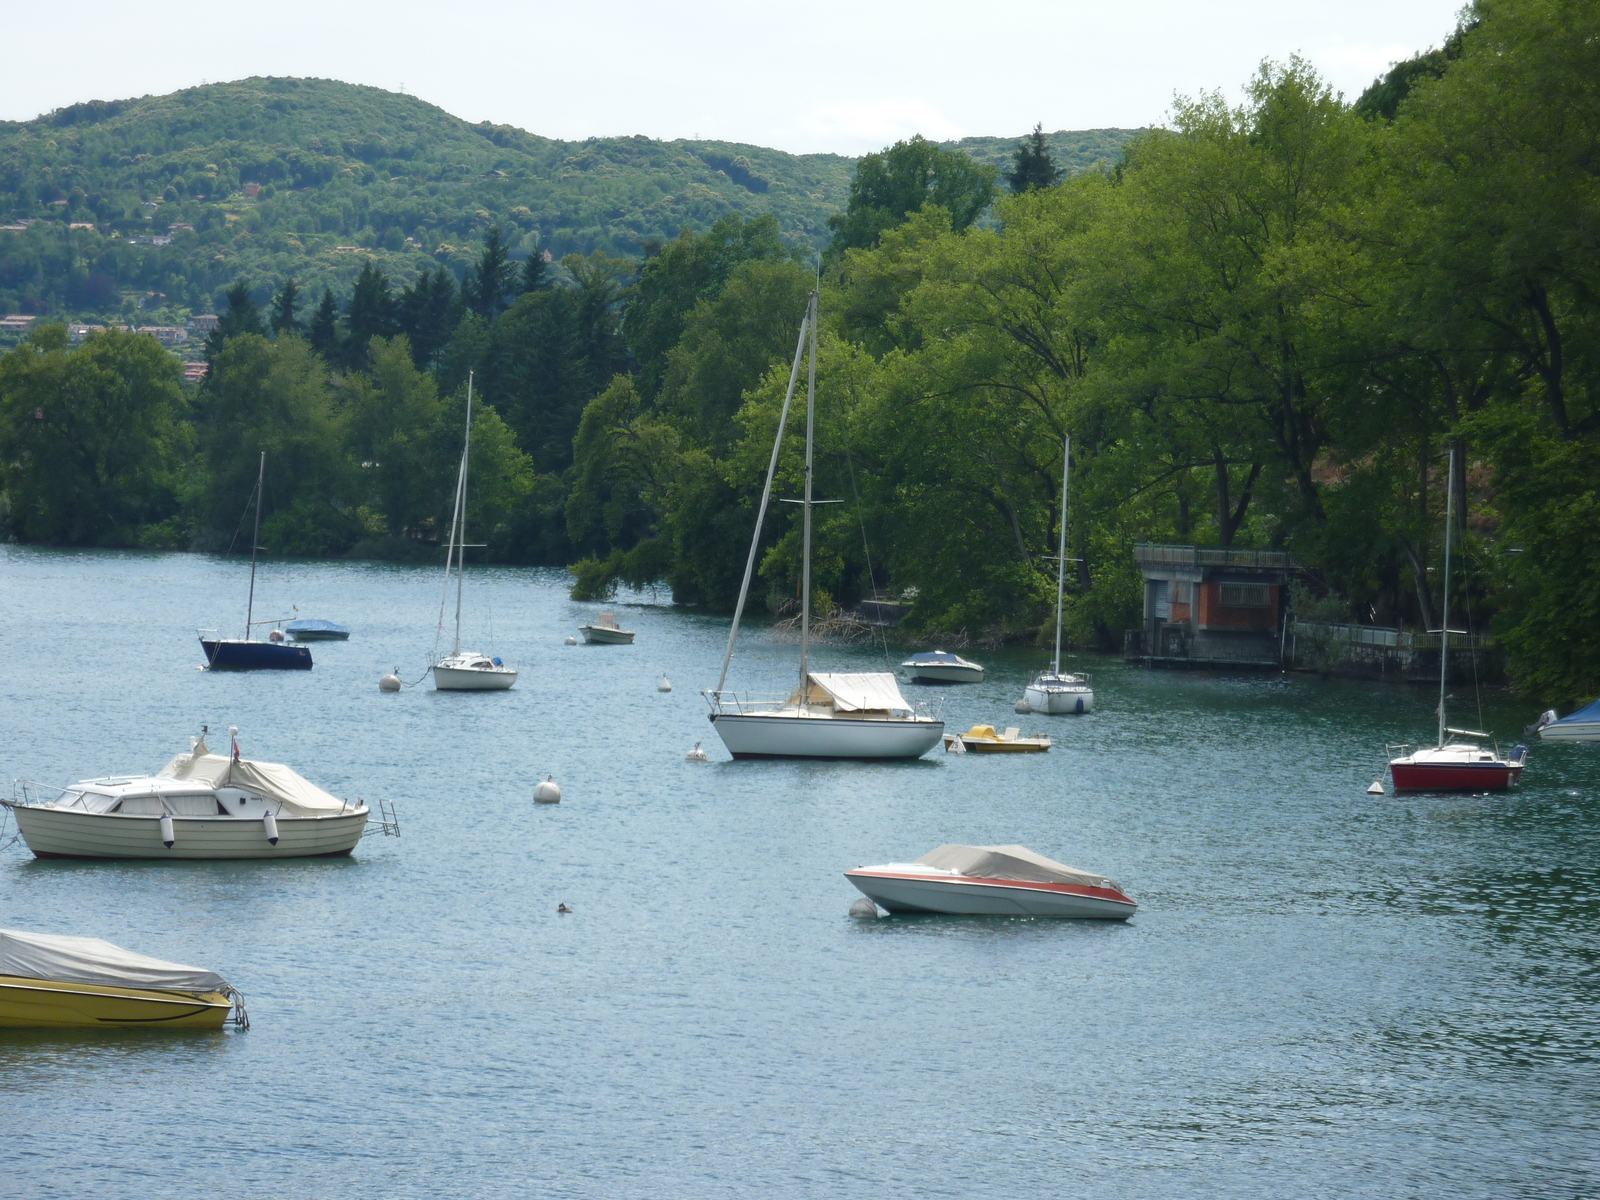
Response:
column 50, row 981
column 983, row 739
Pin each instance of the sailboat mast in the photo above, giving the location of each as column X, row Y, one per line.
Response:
column 461, row 499
column 766, row 496
column 255, row 540
column 1444, row 632
column 805, row 571
column 1061, row 559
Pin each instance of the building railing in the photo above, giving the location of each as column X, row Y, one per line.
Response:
column 1378, row 635
column 1211, row 556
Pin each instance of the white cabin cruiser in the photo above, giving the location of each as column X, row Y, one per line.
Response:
column 940, row 666
column 859, row 715
column 469, row 671
column 199, row 806
column 992, row 881
column 606, row 632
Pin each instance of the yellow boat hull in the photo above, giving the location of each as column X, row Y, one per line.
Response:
column 49, row 1004
column 978, row 745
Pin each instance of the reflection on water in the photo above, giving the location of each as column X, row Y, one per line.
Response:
column 1323, row 992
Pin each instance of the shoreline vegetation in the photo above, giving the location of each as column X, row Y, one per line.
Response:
column 1264, row 325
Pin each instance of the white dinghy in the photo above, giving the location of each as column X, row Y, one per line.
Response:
column 200, row 805
column 826, row 716
column 1009, row 881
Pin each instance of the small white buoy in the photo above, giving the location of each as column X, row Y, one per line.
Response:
column 1377, row 787
column 572, row 641
column 697, row 754
column 665, row 685
column 547, row 792
column 864, row 909
column 1022, row 706
column 391, row 682
column 167, row 836
column 271, row 822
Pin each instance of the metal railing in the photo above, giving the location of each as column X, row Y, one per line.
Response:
column 1382, row 635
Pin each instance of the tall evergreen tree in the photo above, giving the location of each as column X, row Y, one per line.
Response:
column 371, row 314
column 427, row 313
column 324, row 327
column 1032, row 168
column 283, row 306
column 535, row 273
column 490, row 285
column 242, row 317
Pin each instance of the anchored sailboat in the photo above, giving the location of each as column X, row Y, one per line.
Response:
column 247, row 654
column 1458, row 763
column 858, row 715
column 1051, row 691
column 464, row 670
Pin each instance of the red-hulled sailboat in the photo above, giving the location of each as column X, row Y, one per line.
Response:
column 1460, row 762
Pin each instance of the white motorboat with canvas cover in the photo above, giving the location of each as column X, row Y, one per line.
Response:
column 860, row 715
column 606, row 632
column 940, row 666
column 200, row 805
column 992, row 881
column 1053, row 692
column 1581, row 726
column 464, row 670
column 55, row 981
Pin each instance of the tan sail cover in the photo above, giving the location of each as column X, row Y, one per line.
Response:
column 1007, row 862
column 91, row 960
column 867, row 692
column 299, row 797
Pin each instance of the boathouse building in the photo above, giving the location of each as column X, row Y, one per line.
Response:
column 1211, row 606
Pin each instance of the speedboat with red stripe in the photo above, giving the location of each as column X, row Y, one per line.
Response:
column 1007, row 881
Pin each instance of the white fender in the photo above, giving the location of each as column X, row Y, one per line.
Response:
column 271, row 822
column 167, row 836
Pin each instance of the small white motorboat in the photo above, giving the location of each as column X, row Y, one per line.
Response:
column 200, row 805
column 986, row 739
column 939, row 666
column 605, row 632
column 992, row 881
column 1581, row 726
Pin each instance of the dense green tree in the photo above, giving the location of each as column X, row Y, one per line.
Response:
column 1032, row 167
column 427, row 314
column 370, row 314
column 240, row 317
column 323, row 329
column 892, row 184
column 284, row 304
column 92, row 439
column 535, row 275
column 491, row 283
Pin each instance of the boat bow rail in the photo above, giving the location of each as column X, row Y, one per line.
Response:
column 754, row 703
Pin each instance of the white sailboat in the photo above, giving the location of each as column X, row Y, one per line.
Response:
column 857, row 715
column 1052, row 691
column 464, row 670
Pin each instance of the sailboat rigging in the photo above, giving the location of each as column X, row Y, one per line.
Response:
column 1458, row 762
column 463, row 670
column 244, row 653
column 1051, row 691
column 856, row 715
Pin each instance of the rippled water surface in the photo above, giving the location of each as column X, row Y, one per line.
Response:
column 1324, row 992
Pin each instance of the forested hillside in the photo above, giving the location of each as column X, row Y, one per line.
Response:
column 341, row 173
column 1264, row 326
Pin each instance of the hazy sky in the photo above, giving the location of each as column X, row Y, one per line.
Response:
column 829, row 75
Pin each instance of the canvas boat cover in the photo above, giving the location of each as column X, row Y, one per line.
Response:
column 1007, row 862
column 91, row 960
column 314, row 625
column 867, row 692
column 1584, row 716
column 299, row 797
column 932, row 658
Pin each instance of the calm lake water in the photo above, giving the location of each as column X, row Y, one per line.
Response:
column 1324, row 992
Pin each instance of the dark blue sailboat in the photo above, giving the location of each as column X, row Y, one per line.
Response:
column 245, row 654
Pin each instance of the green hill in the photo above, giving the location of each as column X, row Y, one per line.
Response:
column 264, row 179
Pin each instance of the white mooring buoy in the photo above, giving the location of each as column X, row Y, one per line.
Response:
column 572, row 641
column 864, row 909
column 1377, row 787
column 1022, row 706
column 665, row 685
column 547, row 792
column 697, row 754
column 391, row 682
